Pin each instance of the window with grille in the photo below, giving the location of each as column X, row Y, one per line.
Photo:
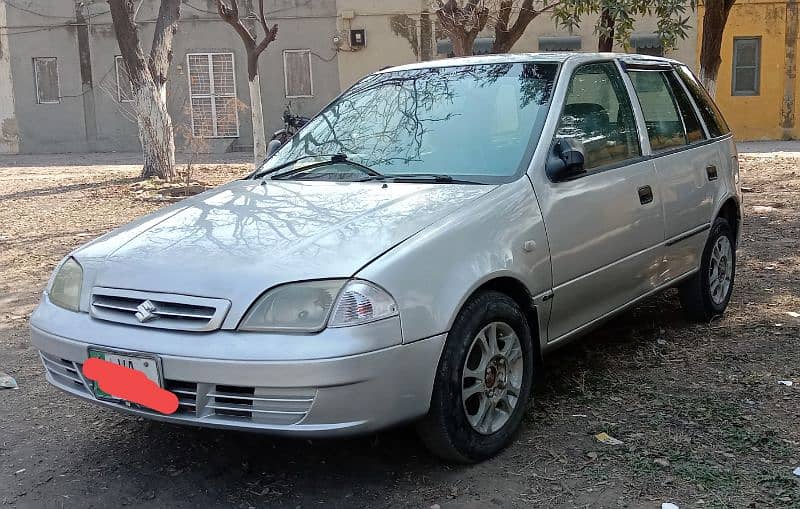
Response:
column 124, row 87
column 297, row 73
column 45, row 72
column 746, row 65
column 212, row 87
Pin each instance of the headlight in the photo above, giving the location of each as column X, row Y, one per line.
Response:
column 307, row 307
column 65, row 290
column 298, row 307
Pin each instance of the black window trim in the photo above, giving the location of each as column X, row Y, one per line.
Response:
column 682, row 80
column 746, row 93
column 610, row 166
column 696, row 108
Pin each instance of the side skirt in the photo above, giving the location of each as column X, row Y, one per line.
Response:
column 583, row 329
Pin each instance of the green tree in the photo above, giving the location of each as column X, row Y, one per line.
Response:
column 463, row 20
column 616, row 19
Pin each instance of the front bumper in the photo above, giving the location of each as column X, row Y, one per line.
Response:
column 343, row 395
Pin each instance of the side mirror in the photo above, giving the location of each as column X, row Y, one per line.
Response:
column 273, row 147
column 567, row 160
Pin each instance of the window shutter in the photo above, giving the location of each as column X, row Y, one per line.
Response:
column 297, row 70
column 46, row 77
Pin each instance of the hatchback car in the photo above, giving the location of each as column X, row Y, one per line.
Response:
column 413, row 252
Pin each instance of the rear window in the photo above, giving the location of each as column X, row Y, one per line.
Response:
column 664, row 125
column 708, row 110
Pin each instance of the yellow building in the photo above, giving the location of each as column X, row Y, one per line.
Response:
column 757, row 85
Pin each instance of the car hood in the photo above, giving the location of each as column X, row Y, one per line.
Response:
column 237, row 241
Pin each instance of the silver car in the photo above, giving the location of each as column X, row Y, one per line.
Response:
column 413, row 252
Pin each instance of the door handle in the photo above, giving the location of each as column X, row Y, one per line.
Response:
column 711, row 170
column 645, row 195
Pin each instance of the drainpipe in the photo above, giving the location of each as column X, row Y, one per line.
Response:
column 790, row 65
column 87, row 83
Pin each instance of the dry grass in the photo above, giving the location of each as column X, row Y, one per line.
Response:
column 703, row 420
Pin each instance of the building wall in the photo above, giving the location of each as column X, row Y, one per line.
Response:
column 91, row 118
column 386, row 45
column 62, row 127
column 771, row 113
column 46, row 127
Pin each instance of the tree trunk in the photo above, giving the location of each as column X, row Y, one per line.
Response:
column 463, row 44
column 714, row 21
column 505, row 36
column 230, row 14
column 149, row 82
column 155, row 130
column 257, row 114
column 454, row 21
column 606, row 41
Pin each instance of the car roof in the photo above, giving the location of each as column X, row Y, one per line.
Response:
column 556, row 57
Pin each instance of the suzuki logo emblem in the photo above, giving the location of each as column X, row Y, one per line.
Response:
column 146, row 311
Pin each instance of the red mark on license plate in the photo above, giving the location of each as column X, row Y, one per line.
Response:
column 130, row 385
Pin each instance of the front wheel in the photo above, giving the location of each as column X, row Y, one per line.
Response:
column 483, row 382
column 708, row 292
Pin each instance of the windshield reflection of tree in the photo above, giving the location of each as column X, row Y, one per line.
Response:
column 245, row 222
column 389, row 121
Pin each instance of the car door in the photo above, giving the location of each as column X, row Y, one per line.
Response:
column 686, row 165
column 605, row 227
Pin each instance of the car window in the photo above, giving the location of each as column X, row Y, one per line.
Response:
column 664, row 124
column 477, row 122
column 694, row 130
column 597, row 112
column 708, row 110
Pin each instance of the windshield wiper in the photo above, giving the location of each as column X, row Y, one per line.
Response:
column 281, row 166
column 335, row 159
column 437, row 178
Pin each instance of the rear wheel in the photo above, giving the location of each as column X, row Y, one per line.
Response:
column 483, row 382
column 708, row 292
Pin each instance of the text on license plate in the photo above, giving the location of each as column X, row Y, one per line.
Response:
column 146, row 365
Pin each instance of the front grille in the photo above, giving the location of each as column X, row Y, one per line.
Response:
column 205, row 401
column 187, row 395
column 260, row 404
column 64, row 372
column 158, row 310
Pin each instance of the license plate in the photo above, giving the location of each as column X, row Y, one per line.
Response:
column 146, row 364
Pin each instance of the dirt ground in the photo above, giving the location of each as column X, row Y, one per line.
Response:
column 702, row 417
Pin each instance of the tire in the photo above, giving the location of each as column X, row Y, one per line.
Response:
column 446, row 430
column 701, row 299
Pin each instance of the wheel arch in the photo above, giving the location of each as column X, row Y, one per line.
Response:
column 731, row 211
column 517, row 290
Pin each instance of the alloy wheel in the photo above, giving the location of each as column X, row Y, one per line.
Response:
column 492, row 378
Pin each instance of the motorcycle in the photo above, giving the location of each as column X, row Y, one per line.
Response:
column 291, row 124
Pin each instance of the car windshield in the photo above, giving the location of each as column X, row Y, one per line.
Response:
column 472, row 123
